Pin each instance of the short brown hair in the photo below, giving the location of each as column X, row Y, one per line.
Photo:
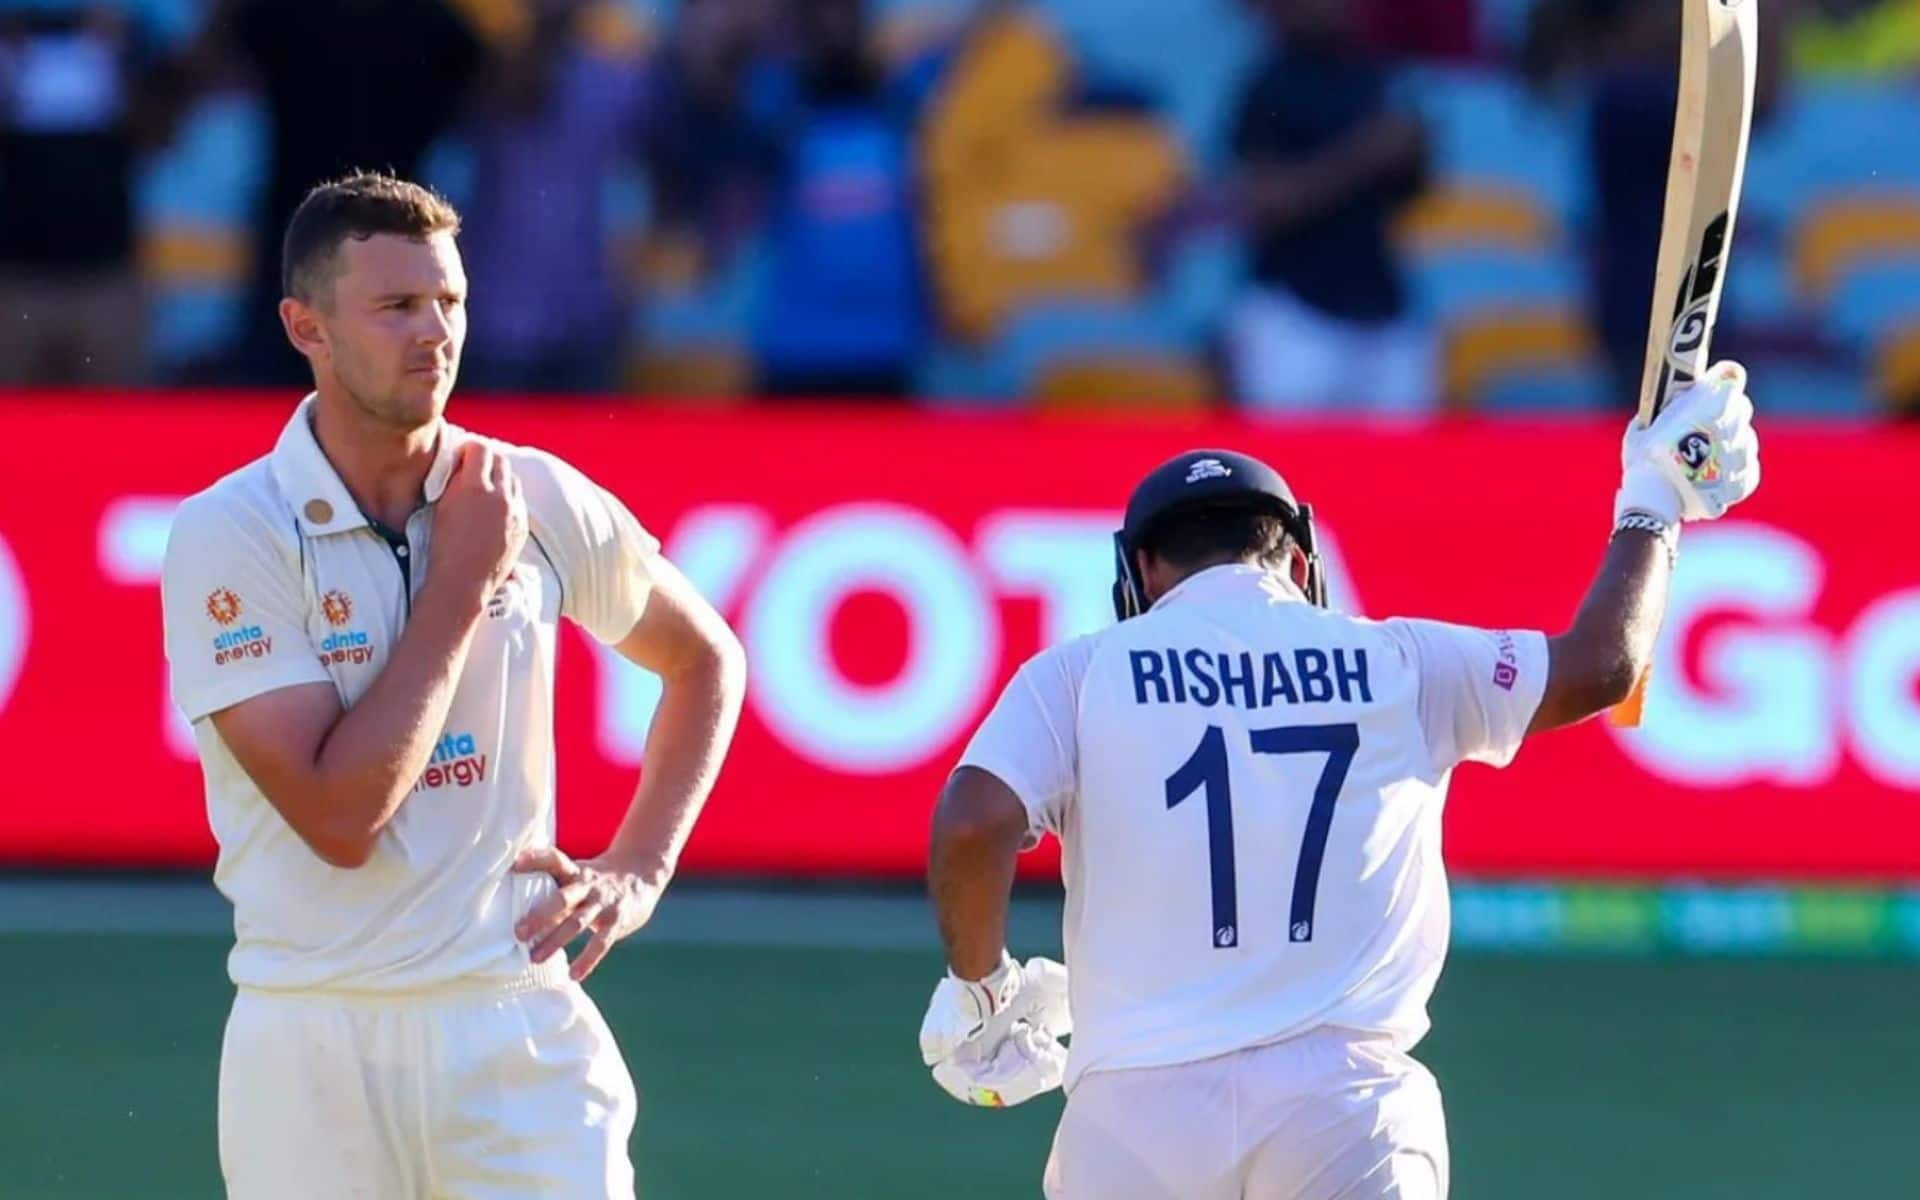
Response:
column 357, row 206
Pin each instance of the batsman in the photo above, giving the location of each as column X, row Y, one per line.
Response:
column 1247, row 788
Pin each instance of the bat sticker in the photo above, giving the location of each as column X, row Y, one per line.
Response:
column 1690, row 310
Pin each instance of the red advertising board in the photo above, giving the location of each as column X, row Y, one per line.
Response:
column 887, row 572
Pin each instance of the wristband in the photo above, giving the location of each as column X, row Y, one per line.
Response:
column 1668, row 532
column 998, row 988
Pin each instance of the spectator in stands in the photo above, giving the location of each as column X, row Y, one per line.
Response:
column 81, row 94
column 710, row 145
column 1624, row 56
column 844, row 312
column 1325, row 162
column 348, row 84
column 1425, row 29
column 1635, row 46
column 553, row 121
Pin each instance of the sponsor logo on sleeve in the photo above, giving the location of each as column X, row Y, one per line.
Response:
column 235, row 643
column 1506, row 671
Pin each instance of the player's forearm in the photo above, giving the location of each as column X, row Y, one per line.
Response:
column 692, row 727
column 1593, row 666
column 970, row 869
column 1285, row 195
column 367, row 764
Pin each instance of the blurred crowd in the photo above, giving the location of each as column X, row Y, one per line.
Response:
column 1391, row 206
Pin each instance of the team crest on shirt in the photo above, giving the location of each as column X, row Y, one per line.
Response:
column 342, row 647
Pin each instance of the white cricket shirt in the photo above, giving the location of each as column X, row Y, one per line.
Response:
column 274, row 577
column 1247, row 791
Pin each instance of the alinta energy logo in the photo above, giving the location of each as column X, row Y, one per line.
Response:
column 235, row 642
column 457, row 762
column 223, row 606
column 343, row 646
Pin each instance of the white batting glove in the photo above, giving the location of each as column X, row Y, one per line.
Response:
column 1013, row 1070
column 996, row 1041
column 1698, row 459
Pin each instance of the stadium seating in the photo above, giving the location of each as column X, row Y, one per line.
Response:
column 1027, row 202
column 1492, row 245
column 1039, row 206
column 1459, row 214
column 1489, row 134
column 1123, row 382
column 1526, row 357
column 196, row 204
column 1843, row 232
column 690, row 329
column 1897, row 370
column 1875, row 298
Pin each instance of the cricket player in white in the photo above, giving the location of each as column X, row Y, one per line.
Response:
column 1247, row 788
column 361, row 627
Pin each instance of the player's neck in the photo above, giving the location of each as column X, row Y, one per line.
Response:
column 384, row 468
column 1181, row 574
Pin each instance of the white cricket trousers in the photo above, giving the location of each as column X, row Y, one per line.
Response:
column 465, row 1094
column 1317, row 1117
column 1289, row 357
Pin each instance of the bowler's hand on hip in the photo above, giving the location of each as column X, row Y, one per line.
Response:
column 594, row 896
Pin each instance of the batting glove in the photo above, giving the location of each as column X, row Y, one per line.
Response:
column 1013, row 1070
column 996, row 1041
column 1698, row 459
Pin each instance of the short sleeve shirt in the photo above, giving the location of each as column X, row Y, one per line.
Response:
column 273, row 578
column 1248, row 790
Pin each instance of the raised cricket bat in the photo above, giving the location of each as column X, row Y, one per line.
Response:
column 1719, row 47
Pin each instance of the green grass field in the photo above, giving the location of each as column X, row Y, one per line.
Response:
column 790, row 1069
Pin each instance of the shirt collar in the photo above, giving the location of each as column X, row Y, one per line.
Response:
column 1230, row 577
column 451, row 436
column 314, row 488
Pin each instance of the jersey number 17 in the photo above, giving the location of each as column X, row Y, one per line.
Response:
column 1206, row 770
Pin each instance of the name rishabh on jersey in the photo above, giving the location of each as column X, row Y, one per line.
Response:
column 1247, row 789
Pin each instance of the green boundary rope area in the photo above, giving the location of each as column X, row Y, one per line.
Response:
column 1504, row 917
column 1639, row 1042
column 1687, row 919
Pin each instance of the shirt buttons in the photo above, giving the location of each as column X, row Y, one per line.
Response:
column 400, row 550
